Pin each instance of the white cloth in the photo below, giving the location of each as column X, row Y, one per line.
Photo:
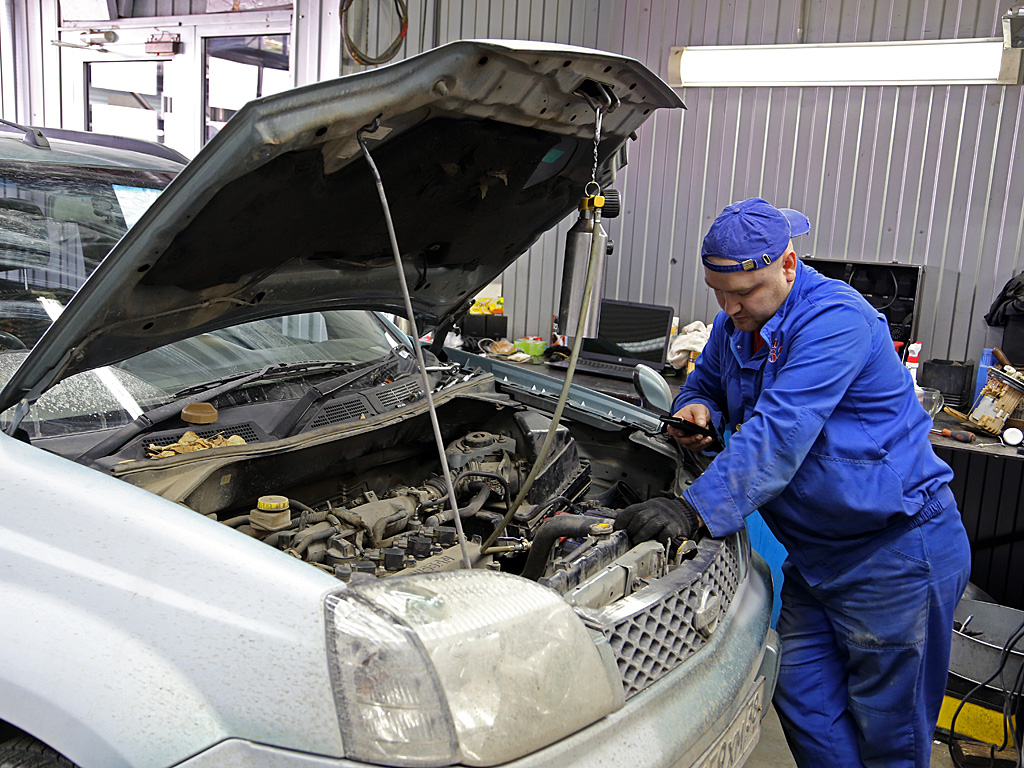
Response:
column 691, row 338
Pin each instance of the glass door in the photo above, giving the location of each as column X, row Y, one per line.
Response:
column 238, row 69
column 120, row 90
column 222, row 61
column 126, row 98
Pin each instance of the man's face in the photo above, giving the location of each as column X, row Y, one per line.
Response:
column 752, row 298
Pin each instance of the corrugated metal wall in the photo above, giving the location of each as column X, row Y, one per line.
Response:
column 922, row 175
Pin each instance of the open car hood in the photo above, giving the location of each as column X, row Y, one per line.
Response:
column 483, row 146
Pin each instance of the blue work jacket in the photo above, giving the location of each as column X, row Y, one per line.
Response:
column 831, row 443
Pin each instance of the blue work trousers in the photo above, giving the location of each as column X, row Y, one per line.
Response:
column 865, row 654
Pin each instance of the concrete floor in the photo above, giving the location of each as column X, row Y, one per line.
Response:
column 773, row 752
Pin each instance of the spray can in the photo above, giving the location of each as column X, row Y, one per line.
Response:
column 913, row 352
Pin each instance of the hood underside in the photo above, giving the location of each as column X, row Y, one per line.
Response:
column 483, row 146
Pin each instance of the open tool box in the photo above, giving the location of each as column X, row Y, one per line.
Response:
column 892, row 288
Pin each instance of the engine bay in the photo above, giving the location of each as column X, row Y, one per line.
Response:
column 560, row 536
column 370, row 501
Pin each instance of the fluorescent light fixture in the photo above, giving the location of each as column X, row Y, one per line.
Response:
column 912, row 62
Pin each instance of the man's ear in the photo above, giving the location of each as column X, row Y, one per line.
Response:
column 789, row 260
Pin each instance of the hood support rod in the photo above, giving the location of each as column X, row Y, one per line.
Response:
column 417, row 347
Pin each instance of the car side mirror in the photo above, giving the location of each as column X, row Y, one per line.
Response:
column 655, row 393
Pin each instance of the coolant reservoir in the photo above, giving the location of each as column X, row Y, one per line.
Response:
column 272, row 513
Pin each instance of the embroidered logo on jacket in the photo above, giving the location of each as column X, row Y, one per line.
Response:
column 773, row 353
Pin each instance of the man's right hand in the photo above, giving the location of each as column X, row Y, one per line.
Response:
column 699, row 415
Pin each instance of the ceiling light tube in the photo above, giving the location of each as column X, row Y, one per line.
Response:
column 913, row 62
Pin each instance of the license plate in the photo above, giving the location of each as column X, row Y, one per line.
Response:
column 733, row 747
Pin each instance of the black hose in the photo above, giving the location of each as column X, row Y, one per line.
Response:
column 540, row 509
column 296, row 504
column 492, row 476
column 548, row 533
column 301, row 546
column 471, row 509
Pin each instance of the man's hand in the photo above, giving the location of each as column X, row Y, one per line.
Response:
column 699, row 415
column 659, row 519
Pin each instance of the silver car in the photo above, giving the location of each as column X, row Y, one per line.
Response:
column 227, row 537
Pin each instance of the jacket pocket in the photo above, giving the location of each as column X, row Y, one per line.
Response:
column 846, row 497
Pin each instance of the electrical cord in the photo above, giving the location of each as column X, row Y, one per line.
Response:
column 1011, row 698
column 360, row 56
column 415, row 335
column 895, row 289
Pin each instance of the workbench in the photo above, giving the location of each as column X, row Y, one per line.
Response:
column 988, row 483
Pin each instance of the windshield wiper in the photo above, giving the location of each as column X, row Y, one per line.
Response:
column 273, row 371
column 200, row 393
column 324, row 389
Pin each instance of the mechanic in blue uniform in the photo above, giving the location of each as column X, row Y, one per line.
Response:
column 832, row 447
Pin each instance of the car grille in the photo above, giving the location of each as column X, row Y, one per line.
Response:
column 344, row 410
column 653, row 630
column 390, row 398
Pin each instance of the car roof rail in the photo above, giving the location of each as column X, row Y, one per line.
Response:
column 36, row 138
column 33, row 136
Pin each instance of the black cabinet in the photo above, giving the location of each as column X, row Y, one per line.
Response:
column 892, row 288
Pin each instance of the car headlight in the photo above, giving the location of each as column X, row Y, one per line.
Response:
column 461, row 666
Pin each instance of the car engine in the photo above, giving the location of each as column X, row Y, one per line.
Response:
column 561, row 535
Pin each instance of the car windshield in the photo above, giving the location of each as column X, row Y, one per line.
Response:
column 56, row 225
column 57, row 222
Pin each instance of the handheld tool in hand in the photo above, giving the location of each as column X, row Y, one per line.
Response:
column 956, row 434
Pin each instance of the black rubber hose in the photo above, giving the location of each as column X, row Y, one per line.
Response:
column 296, row 504
column 492, row 476
column 548, row 533
column 301, row 546
column 471, row 509
column 544, row 506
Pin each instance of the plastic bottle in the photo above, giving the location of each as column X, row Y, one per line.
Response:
column 986, row 360
column 913, row 352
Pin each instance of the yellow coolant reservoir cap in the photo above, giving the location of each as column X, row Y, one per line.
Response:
column 272, row 503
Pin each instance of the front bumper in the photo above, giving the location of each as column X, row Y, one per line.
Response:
column 671, row 723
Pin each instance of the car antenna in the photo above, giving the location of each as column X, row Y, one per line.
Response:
column 414, row 335
column 33, row 136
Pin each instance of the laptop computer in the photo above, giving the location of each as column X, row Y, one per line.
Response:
column 627, row 333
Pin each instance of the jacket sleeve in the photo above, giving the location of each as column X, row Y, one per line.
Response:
column 826, row 354
column 704, row 384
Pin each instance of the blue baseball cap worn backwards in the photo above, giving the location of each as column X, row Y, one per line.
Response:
column 753, row 233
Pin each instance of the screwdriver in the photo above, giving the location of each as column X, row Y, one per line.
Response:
column 956, row 434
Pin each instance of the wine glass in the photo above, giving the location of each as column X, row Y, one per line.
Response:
column 930, row 399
